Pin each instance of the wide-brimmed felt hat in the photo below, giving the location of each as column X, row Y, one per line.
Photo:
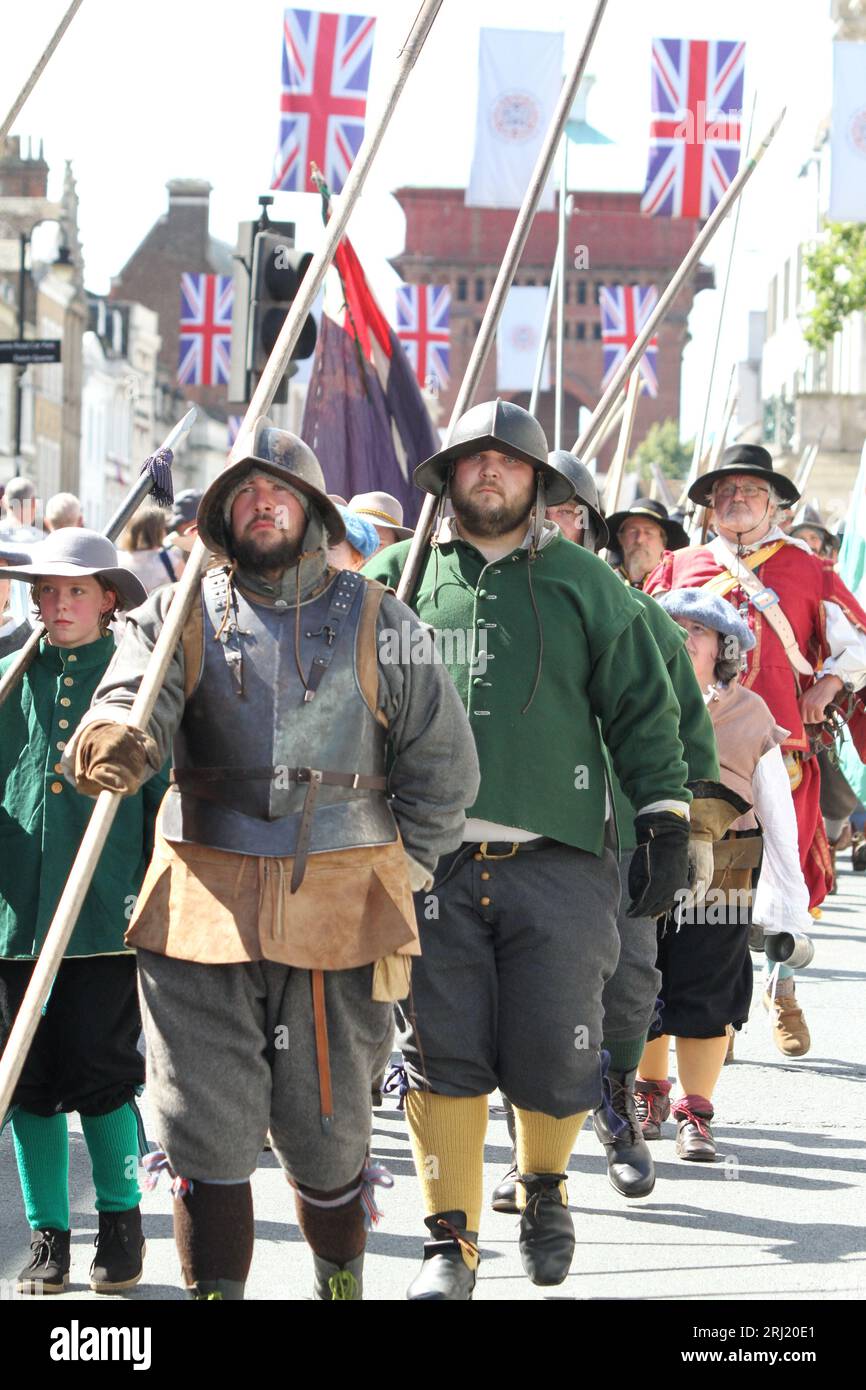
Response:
column 648, row 507
column 283, row 455
column 74, row 551
column 502, row 426
column 751, row 459
column 711, row 610
column 585, row 489
column 13, row 556
column 810, row 520
column 383, row 510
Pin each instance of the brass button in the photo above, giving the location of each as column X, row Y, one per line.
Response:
column 67, row 680
column 71, row 657
column 485, row 874
column 65, row 701
column 61, row 746
column 485, row 902
column 63, row 723
column 477, row 856
column 58, row 767
column 56, row 787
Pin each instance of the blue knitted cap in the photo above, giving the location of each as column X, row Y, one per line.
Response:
column 711, row 610
column 360, row 532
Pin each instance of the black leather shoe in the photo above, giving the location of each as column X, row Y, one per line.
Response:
column 444, row 1275
column 48, row 1270
column 505, row 1194
column 118, row 1262
column 546, row 1229
column 630, row 1168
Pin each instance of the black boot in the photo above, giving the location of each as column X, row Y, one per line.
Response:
column 445, row 1275
column 338, row 1283
column 48, row 1270
column 629, row 1162
column 117, row 1263
column 546, row 1229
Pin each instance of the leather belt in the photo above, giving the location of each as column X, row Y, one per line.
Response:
column 507, row 849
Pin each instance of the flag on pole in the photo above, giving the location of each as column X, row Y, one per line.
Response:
column 518, row 337
column 848, row 134
column 325, row 76
column 364, row 417
column 519, row 78
column 423, row 314
column 205, row 330
column 624, row 311
column 695, row 123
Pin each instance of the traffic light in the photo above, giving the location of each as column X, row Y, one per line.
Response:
column 268, row 273
column 278, row 270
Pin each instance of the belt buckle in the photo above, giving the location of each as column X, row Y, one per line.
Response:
column 515, row 845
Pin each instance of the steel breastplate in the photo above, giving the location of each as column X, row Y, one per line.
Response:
column 249, row 711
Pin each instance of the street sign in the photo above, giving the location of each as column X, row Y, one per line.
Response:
column 22, row 351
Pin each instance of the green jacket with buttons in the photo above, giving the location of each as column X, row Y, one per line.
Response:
column 697, row 734
column 546, row 654
column 43, row 818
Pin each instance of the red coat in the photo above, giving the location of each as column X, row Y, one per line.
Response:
column 803, row 582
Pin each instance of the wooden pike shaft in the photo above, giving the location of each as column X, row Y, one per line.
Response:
column 700, row 243
column 617, row 468
column 507, row 271
column 107, row 803
column 39, row 69
column 610, row 425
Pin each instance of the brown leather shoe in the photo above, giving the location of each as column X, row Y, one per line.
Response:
column 652, row 1106
column 790, row 1032
column 694, row 1136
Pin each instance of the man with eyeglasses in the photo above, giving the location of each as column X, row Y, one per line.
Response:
column 810, row 635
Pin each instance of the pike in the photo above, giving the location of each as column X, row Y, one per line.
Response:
column 700, row 243
column 39, row 69
column 617, row 467
column 107, row 803
column 507, row 271
column 145, row 484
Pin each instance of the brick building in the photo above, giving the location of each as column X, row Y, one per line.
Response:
column 449, row 243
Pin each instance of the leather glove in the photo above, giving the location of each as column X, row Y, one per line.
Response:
column 700, row 867
column 660, row 864
column 113, row 757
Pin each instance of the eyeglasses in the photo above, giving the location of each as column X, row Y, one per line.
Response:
column 726, row 492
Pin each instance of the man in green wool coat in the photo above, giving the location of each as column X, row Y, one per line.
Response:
column 84, row 1056
column 553, row 659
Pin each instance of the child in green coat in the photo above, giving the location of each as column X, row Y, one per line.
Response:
column 84, row 1055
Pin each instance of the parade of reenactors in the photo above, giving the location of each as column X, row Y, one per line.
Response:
column 430, row 773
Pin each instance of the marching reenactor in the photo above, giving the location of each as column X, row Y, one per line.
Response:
column 810, row 632
column 14, row 631
column 315, row 783
column 641, row 535
column 84, row 1056
column 507, row 992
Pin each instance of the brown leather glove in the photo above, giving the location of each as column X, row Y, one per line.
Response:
column 112, row 757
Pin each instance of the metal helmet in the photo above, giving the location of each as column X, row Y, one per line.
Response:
column 499, row 425
column 585, row 490
column 284, row 455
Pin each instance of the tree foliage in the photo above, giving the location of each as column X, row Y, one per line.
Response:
column 661, row 445
column 836, row 275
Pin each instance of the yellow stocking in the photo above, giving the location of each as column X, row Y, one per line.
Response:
column 544, row 1145
column 447, row 1134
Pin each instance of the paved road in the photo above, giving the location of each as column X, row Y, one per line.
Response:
column 780, row 1217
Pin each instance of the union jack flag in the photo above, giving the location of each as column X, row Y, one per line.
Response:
column 624, row 311
column 326, row 72
column 697, row 100
column 423, row 313
column 205, row 330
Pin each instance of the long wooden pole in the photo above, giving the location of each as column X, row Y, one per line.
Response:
column 561, row 251
column 545, row 335
column 699, row 245
column 610, row 425
column 107, row 802
column 39, row 69
column 507, row 271
column 24, row 658
column 617, row 467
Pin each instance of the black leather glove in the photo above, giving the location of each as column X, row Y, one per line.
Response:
column 660, row 864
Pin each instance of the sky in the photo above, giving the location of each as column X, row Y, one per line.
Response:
column 136, row 95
